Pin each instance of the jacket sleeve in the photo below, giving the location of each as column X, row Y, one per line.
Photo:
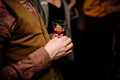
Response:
column 33, row 63
column 25, row 68
column 97, row 8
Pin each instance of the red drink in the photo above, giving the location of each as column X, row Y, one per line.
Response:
column 59, row 27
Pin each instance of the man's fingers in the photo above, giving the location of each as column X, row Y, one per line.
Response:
column 68, row 47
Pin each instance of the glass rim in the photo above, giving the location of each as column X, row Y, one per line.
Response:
column 59, row 22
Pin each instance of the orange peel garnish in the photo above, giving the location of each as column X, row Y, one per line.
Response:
column 58, row 29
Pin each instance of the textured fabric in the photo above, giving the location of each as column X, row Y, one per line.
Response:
column 40, row 9
column 22, row 38
column 26, row 68
column 28, row 34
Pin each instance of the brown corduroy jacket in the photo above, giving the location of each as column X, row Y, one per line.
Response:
column 23, row 45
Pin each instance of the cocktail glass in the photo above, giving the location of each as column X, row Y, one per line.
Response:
column 59, row 27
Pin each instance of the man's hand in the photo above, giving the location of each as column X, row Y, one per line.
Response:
column 59, row 47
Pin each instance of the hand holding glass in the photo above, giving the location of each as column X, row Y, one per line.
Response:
column 59, row 27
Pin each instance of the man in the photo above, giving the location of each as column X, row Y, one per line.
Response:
column 26, row 51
